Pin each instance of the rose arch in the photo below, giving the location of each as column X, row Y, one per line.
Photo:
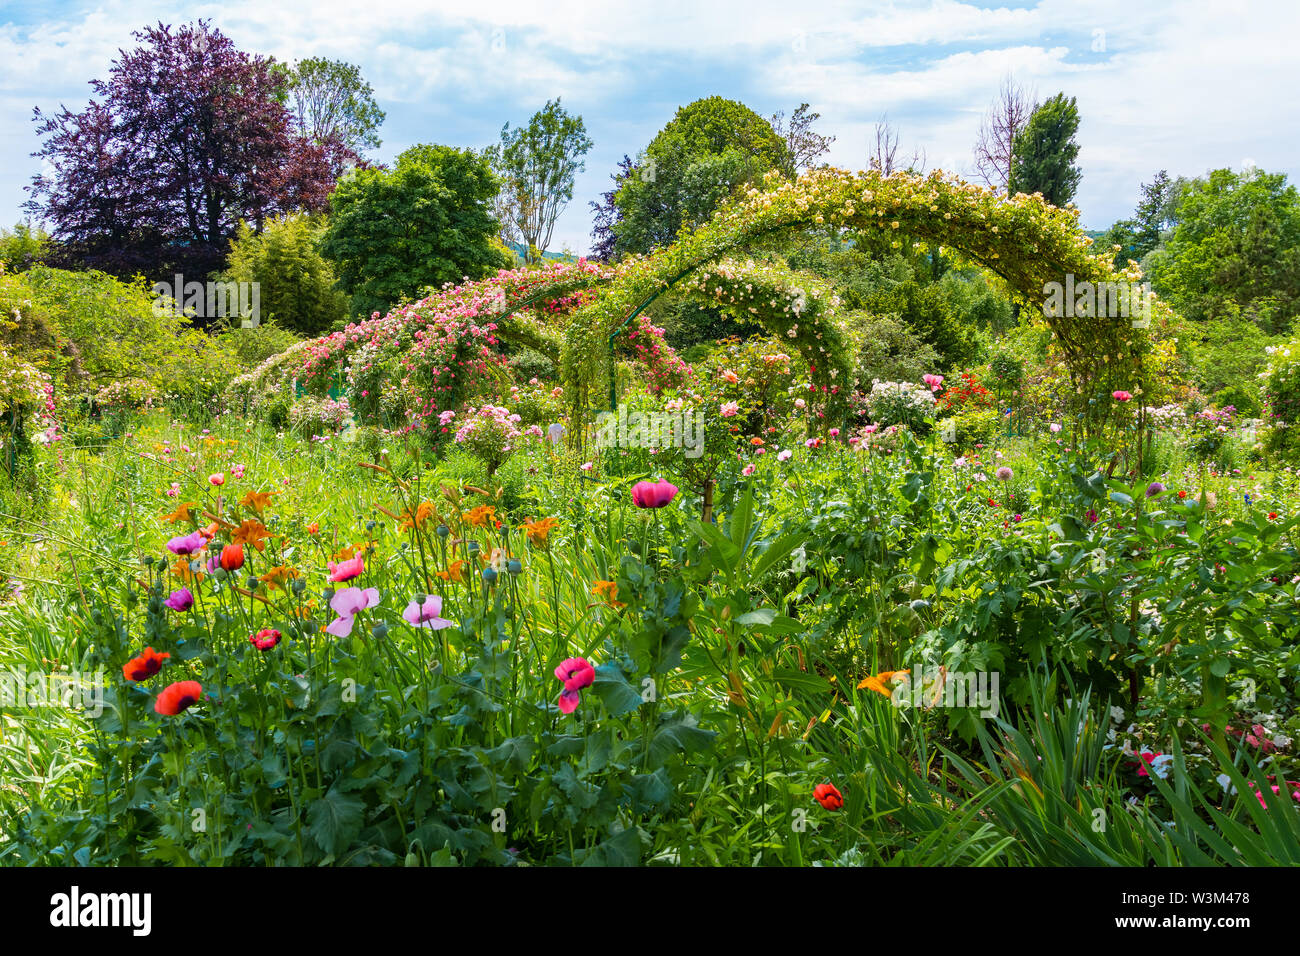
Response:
column 579, row 313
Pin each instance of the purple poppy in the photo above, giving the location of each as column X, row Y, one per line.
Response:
column 347, row 604
column 181, row 600
column 427, row 614
column 188, row 544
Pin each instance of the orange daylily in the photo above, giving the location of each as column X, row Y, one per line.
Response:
column 880, row 682
column 313, row 528
column 423, row 512
column 251, row 532
column 607, row 591
column 257, row 500
column 455, row 572
column 480, row 516
column 182, row 513
column 539, row 531
column 278, row 575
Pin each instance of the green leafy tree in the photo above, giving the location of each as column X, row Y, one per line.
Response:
column 331, row 102
column 1155, row 214
column 296, row 284
column 24, row 247
column 710, row 148
column 427, row 221
column 1043, row 152
column 537, row 164
column 1235, row 246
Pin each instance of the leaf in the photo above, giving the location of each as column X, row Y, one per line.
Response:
column 678, row 735
column 611, row 686
column 335, row 820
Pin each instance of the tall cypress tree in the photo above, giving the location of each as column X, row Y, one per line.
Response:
column 1043, row 153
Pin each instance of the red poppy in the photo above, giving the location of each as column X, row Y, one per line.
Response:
column 176, row 697
column 1272, row 516
column 1182, row 494
column 232, row 557
column 265, row 639
column 828, row 796
column 144, row 666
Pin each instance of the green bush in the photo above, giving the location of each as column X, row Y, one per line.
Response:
column 297, row 285
column 975, row 426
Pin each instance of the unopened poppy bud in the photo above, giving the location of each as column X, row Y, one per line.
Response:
column 327, row 594
column 253, row 582
column 514, row 567
column 370, row 526
column 442, row 530
column 490, row 575
column 379, row 631
column 471, row 547
column 298, row 585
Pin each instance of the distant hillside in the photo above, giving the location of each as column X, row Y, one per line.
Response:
column 520, row 251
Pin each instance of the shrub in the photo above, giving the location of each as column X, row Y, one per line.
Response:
column 901, row 403
column 297, row 285
column 975, row 426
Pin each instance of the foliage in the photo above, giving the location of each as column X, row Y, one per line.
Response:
column 296, row 284
column 423, row 223
column 24, row 247
column 334, row 107
column 189, row 137
column 1043, row 153
column 537, row 164
column 709, row 148
column 1235, row 247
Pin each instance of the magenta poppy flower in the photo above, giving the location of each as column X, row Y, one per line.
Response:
column 576, row 673
column 934, row 381
column 217, row 480
column 181, row 600
column 426, row 614
column 347, row 570
column 347, row 604
column 569, row 700
column 187, row 544
column 653, row 494
column 1121, row 396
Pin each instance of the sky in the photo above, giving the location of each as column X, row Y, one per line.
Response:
column 1185, row 86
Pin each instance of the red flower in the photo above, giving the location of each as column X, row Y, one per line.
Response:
column 177, row 697
column 144, row 666
column 265, row 639
column 828, row 796
column 232, row 557
column 1182, row 494
column 653, row 494
column 1272, row 516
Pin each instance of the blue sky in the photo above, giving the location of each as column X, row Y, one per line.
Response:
column 1185, row 86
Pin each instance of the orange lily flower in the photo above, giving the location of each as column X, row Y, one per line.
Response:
column 880, row 682
column 182, row 513
column 539, row 531
column 251, row 532
column 455, row 572
column 607, row 591
column 257, row 500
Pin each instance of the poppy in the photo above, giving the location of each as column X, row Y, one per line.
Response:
column 145, row 666
column 576, row 673
column 232, row 557
column 181, row 600
column 347, row 570
column 265, row 639
column 828, row 796
column 426, row 613
column 177, row 697
column 653, row 494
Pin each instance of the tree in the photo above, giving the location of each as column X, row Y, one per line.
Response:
column 884, row 158
column 393, row 233
column 1007, row 116
column 334, row 107
column 537, row 164
column 1043, row 153
column 296, row 284
column 189, row 139
column 1154, row 215
column 802, row 143
column 606, row 214
column 23, row 248
column 732, row 146
column 1235, row 247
